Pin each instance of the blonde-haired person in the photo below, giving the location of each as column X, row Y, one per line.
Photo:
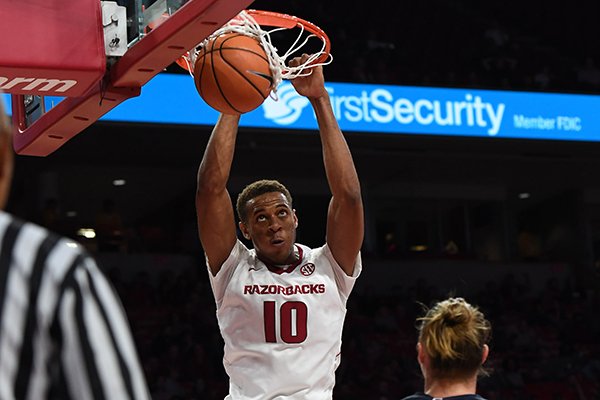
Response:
column 452, row 349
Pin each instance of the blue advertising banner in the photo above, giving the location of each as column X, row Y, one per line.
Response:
column 172, row 99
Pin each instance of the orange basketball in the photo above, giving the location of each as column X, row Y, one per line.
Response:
column 232, row 73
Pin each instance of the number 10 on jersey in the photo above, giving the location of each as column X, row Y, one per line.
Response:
column 291, row 319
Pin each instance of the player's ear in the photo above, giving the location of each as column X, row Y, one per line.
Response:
column 486, row 351
column 295, row 218
column 420, row 354
column 244, row 230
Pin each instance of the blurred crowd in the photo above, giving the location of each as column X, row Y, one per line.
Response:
column 544, row 343
column 529, row 45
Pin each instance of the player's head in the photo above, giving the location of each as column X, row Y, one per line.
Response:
column 6, row 156
column 256, row 189
column 453, row 337
column 268, row 219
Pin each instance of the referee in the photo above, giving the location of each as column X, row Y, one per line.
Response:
column 63, row 331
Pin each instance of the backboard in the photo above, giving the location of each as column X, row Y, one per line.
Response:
column 92, row 54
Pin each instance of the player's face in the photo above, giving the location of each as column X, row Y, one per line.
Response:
column 271, row 225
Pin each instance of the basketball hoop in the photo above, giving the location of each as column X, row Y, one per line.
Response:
column 249, row 23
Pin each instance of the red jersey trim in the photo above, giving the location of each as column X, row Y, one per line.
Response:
column 291, row 268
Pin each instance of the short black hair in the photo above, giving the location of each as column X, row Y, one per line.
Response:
column 256, row 189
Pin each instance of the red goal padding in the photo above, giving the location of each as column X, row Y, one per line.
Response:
column 51, row 47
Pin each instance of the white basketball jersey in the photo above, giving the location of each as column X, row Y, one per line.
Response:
column 282, row 329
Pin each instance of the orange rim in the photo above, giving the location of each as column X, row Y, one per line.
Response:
column 279, row 20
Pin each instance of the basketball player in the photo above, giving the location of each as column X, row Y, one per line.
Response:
column 281, row 305
column 63, row 333
column 452, row 348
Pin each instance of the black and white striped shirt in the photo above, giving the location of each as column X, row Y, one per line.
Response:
column 63, row 331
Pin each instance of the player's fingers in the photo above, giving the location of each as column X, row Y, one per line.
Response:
column 294, row 62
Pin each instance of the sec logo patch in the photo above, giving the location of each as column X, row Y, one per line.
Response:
column 307, row 269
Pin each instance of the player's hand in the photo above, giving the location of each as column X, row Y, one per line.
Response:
column 311, row 86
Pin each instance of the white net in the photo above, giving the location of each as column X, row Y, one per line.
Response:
column 245, row 24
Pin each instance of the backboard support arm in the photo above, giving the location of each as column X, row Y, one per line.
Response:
column 159, row 48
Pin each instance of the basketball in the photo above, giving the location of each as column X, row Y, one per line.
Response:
column 232, row 73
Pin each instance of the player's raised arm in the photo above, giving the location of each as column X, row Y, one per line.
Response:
column 345, row 220
column 216, row 221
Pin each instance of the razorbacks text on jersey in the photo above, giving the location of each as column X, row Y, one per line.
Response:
column 282, row 327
